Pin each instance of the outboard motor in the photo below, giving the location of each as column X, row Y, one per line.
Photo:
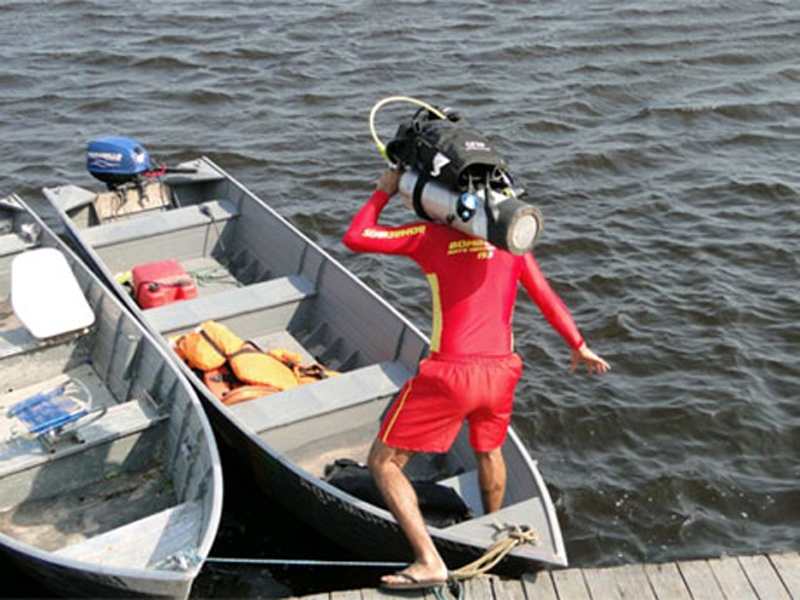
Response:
column 116, row 160
column 453, row 176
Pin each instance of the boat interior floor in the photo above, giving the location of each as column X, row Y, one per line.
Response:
column 8, row 320
column 353, row 444
column 16, row 340
column 100, row 506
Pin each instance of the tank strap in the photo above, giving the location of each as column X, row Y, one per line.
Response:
column 491, row 220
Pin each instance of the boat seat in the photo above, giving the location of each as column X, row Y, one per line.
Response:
column 37, row 278
column 15, row 338
column 216, row 307
column 145, row 543
column 157, row 223
column 121, row 420
column 321, row 397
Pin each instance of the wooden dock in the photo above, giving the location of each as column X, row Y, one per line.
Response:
column 759, row 577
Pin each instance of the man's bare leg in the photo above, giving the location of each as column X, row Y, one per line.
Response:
column 492, row 479
column 386, row 465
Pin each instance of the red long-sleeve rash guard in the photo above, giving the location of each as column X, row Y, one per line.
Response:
column 473, row 284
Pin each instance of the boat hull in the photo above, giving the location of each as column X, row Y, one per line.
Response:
column 129, row 505
column 344, row 520
column 84, row 581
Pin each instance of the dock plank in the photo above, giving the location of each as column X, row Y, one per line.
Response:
column 700, row 580
column 373, row 594
column 508, row 589
column 764, row 578
column 632, row 583
column 480, row 587
column 787, row 564
column 732, row 578
column 666, row 581
column 602, row 584
column 346, row 595
column 539, row 586
column 760, row 577
column 570, row 585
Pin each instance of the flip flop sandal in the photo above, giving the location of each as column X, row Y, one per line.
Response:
column 412, row 583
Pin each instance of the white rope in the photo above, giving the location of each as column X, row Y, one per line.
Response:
column 516, row 536
column 305, row 562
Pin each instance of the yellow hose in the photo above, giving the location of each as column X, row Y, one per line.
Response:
column 389, row 100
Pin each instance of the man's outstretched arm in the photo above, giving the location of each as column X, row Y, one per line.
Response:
column 559, row 317
column 593, row 362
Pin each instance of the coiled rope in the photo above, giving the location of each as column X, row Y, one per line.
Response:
column 516, row 535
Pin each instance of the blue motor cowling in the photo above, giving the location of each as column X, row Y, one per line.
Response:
column 116, row 160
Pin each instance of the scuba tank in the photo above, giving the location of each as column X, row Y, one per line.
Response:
column 453, row 176
column 504, row 221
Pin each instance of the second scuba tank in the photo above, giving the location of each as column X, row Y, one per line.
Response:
column 502, row 220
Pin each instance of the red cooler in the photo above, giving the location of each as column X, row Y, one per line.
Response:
column 162, row 282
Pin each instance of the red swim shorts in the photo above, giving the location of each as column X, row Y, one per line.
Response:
column 427, row 414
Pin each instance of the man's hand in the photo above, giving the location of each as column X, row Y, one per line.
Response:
column 389, row 181
column 594, row 364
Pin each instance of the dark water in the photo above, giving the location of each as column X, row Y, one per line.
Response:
column 660, row 139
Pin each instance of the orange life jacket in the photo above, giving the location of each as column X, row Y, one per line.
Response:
column 225, row 386
column 231, row 364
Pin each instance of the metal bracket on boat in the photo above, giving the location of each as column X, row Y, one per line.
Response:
column 157, row 405
column 70, row 432
column 30, row 232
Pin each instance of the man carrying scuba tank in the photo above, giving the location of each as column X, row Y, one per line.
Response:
column 472, row 370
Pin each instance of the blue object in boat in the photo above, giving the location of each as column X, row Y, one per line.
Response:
column 46, row 411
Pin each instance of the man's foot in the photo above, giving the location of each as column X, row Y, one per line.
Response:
column 413, row 578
